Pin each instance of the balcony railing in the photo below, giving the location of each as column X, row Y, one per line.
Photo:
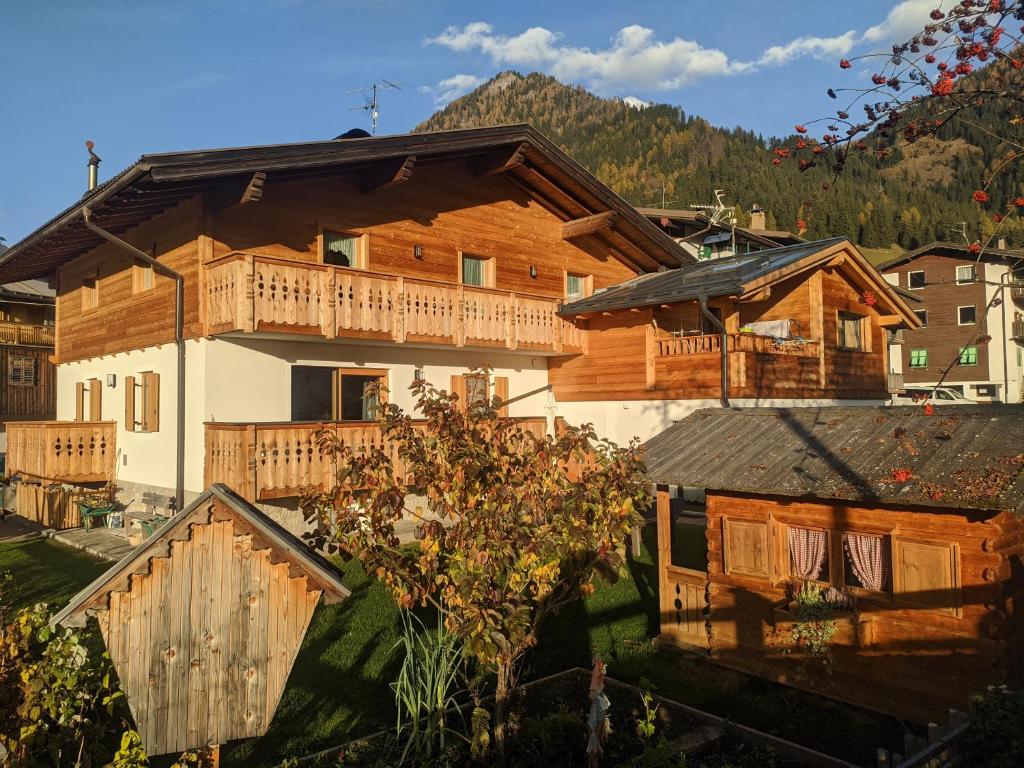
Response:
column 737, row 342
column 279, row 460
column 26, row 334
column 65, row 451
column 1017, row 290
column 248, row 293
column 1017, row 331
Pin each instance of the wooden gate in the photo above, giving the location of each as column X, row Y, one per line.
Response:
column 682, row 592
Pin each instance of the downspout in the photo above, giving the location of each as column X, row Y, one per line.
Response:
column 1003, row 337
column 179, row 340
column 724, row 351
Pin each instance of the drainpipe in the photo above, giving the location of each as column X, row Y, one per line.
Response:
column 179, row 340
column 1004, row 337
column 724, row 351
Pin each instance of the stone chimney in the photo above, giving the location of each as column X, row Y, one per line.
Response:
column 757, row 217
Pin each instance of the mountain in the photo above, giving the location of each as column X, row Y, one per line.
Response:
column 921, row 193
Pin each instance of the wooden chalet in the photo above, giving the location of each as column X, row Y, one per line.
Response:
column 704, row 238
column 203, row 621
column 912, row 523
column 27, row 375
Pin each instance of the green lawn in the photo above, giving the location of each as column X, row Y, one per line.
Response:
column 338, row 689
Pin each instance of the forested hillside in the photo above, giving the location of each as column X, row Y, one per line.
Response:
column 921, row 193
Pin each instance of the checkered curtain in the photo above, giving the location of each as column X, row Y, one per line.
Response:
column 808, row 550
column 867, row 559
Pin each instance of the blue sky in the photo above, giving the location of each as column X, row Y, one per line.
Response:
column 137, row 76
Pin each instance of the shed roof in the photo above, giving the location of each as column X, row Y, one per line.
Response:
column 156, row 182
column 284, row 545
column 969, row 457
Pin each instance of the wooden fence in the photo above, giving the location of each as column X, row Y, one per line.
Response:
column 737, row 342
column 68, row 451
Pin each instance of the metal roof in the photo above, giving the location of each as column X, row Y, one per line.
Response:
column 157, row 182
column 713, row 277
column 962, row 457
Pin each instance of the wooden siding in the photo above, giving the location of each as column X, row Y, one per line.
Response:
column 52, row 506
column 69, row 451
column 38, row 400
column 907, row 654
column 204, row 633
column 943, row 337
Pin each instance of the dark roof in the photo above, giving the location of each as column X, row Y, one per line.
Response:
column 713, row 277
column 29, row 291
column 157, row 182
column 318, row 569
column 958, row 250
column 969, row 457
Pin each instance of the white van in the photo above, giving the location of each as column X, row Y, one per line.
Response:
column 937, row 395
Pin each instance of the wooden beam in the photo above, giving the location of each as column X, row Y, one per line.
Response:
column 887, row 320
column 389, row 175
column 254, row 189
column 761, row 295
column 500, row 161
column 588, row 225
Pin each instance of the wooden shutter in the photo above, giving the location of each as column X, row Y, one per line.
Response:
column 95, row 400
column 926, row 575
column 745, row 547
column 501, row 392
column 80, row 401
column 459, row 388
column 129, row 403
column 150, row 402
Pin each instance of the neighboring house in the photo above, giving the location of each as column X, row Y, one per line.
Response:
column 311, row 271
column 702, row 238
column 27, row 381
column 913, row 522
column 955, row 287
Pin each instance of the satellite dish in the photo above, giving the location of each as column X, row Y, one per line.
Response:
column 354, row 133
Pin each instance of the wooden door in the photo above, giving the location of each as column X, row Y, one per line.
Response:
column 682, row 592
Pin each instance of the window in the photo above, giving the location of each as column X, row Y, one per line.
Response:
column 922, row 315
column 968, row 356
column 478, row 271
column 90, row 291
column 966, row 315
column 916, row 279
column 142, row 277
column 320, row 393
column 344, row 250
column 926, row 575
column 892, row 278
column 142, row 402
column 576, row 286
column 984, row 390
column 808, row 553
column 22, row 371
column 966, row 273
column 919, row 358
column 745, row 547
column 867, row 561
column 850, row 331
column 477, row 387
column 688, row 535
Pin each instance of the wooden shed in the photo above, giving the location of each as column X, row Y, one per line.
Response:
column 203, row 621
column 911, row 522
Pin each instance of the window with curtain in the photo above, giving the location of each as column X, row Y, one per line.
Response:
column 919, row 358
column 474, row 271
column 850, row 335
column 968, row 356
column 341, row 249
column 868, row 561
column 966, row 273
column 808, row 553
column 575, row 287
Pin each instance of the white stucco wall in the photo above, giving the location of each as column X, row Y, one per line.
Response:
column 1002, row 347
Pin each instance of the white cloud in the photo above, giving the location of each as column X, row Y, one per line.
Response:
column 635, row 103
column 452, row 87
column 904, row 21
column 818, row 47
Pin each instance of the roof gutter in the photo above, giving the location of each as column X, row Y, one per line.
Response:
column 179, row 340
column 725, row 347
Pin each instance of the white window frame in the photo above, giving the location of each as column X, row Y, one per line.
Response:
column 967, row 306
column 924, row 320
column 909, row 281
column 974, row 274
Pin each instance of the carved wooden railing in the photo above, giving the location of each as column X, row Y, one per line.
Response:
column 738, row 342
column 68, row 451
column 26, row 334
column 268, row 461
column 245, row 292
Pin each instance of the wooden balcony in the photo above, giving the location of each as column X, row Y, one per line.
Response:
column 1017, row 331
column 1017, row 290
column 64, row 451
column 248, row 293
column 281, row 460
column 26, row 334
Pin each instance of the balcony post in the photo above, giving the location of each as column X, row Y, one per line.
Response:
column 460, row 316
column 512, row 322
column 399, row 319
column 248, row 294
column 329, row 317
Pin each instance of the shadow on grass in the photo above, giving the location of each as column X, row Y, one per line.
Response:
column 47, row 572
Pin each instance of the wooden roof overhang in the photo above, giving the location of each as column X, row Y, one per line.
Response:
column 158, row 182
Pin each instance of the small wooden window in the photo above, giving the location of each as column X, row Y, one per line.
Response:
column 343, row 249
column 850, row 331
column 966, row 273
column 967, row 315
column 809, row 553
column 745, row 547
column 926, row 575
column 142, row 402
column 577, row 286
column 22, row 371
column 916, row 279
column 474, row 390
column 142, row 277
column 922, row 315
column 919, row 358
column 476, row 270
column 91, row 291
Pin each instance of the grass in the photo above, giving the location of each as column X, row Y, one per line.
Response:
column 880, row 255
column 339, row 687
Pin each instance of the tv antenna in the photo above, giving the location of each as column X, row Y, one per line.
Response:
column 719, row 213
column 962, row 231
column 372, row 104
